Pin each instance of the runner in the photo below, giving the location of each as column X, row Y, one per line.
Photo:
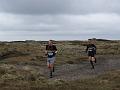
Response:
column 91, row 50
column 51, row 51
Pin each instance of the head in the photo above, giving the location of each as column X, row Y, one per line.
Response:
column 50, row 42
column 91, row 41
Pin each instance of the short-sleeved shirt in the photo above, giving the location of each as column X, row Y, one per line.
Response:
column 91, row 48
column 51, row 50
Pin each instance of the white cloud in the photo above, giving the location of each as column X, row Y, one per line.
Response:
column 59, row 26
column 9, row 19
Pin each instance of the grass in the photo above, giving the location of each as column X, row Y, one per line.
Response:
column 108, row 81
column 30, row 58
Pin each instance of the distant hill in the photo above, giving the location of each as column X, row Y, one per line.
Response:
column 103, row 40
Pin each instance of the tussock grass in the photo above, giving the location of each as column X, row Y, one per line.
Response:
column 108, row 81
column 20, row 67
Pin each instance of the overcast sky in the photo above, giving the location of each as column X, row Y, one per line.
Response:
column 59, row 19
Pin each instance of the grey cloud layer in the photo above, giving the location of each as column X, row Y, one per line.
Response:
column 61, row 24
column 59, row 19
column 59, row 6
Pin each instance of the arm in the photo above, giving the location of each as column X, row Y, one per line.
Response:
column 54, row 49
column 95, row 49
column 87, row 49
column 46, row 50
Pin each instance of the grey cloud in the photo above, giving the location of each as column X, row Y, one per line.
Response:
column 59, row 6
column 33, row 6
column 59, row 19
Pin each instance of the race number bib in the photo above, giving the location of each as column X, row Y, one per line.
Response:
column 50, row 54
column 90, row 49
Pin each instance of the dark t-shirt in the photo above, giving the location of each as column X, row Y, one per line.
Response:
column 51, row 50
column 91, row 48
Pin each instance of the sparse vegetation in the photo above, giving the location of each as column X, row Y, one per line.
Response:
column 21, row 65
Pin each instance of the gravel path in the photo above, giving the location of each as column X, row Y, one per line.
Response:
column 83, row 69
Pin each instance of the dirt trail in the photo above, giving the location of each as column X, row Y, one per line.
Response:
column 83, row 69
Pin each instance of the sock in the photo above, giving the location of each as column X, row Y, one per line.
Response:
column 50, row 74
column 92, row 64
column 53, row 69
column 95, row 60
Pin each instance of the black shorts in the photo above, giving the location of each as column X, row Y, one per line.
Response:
column 92, row 54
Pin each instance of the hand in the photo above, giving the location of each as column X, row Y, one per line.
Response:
column 55, row 52
column 46, row 53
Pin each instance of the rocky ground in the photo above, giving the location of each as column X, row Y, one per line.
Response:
column 83, row 69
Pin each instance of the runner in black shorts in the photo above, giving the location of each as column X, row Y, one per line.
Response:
column 91, row 51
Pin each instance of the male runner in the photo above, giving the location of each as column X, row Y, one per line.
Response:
column 91, row 50
column 51, row 51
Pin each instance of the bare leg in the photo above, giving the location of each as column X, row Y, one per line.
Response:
column 91, row 62
column 93, row 59
column 50, row 71
column 53, row 68
column 50, row 67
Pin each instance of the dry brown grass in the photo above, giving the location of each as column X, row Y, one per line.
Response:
column 30, row 57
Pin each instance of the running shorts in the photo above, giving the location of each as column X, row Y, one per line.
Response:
column 50, row 60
